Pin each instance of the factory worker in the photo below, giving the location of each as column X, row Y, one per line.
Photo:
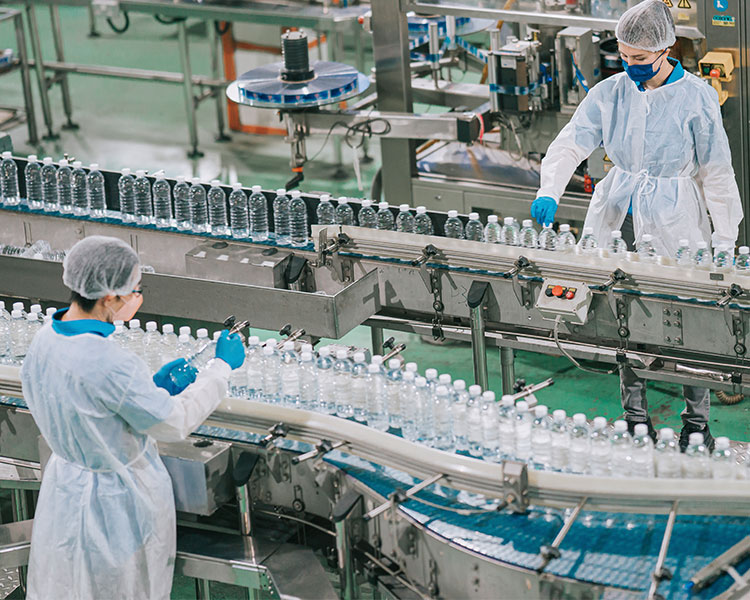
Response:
column 105, row 521
column 662, row 129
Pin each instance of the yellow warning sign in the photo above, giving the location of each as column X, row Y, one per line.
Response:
column 684, row 4
column 669, row 3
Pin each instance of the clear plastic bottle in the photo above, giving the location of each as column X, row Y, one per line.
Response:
column 238, row 377
column 308, row 381
column 646, row 250
column 566, row 241
column 4, row 334
column 524, row 419
column 135, row 337
column 667, row 457
column 120, row 335
column 560, row 441
column 541, row 438
column 506, row 417
column 617, row 245
column 454, row 227
column 126, row 193
column 298, row 221
column 152, row 347
column 326, row 398
column 144, row 208
column 422, row 222
column 724, row 259
column 9, row 180
column 697, row 461
column 405, row 221
column 49, row 184
column 375, row 401
column 289, row 375
column 271, row 373
column 622, row 450
column 393, row 392
column 182, row 204
column 643, row 452
column 423, row 411
column 742, row 262
column 492, row 230
column 384, row 217
column 441, row 402
column 326, row 211
column 474, row 230
column 509, row 232
column 239, row 219
column 601, row 448
column 431, row 375
column 342, row 384
column 344, row 212
column 702, row 258
column 409, row 415
column 684, row 256
column 168, row 343
column 64, row 187
column 97, row 200
column 281, row 218
column 198, row 206
column 36, row 310
column 548, row 238
column 33, row 176
column 33, row 324
column 474, row 420
column 460, row 398
column 185, row 345
column 528, row 237
column 589, row 244
column 253, row 368
column 490, row 428
column 201, row 337
column 163, row 202
column 580, row 444
column 359, row 387
column 205, row 353
column 722, row 461
column 217, row 209
column 78, row 189
column 17, row 337
column 20, row 306
column 367, row 217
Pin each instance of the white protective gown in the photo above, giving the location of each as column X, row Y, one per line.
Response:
column 671, row 157
column 105, row 521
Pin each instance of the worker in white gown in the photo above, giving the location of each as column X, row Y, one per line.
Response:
column 104, row 525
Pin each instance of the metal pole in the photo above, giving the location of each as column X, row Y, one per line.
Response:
column 344, row 554
column 213, row 42
column 36, row 49
column 54, row 13
column 188, row 88
column 93, row 33
column 335, row 44
column 202, row 589
column 376, row 334
column 508, row 369
column 479, row 347
column 28, row 97
column 20, row 513
column 658, row 574
column 245, row 507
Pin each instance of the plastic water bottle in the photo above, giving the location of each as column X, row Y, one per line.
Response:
column 541, row 438
column 684, row 256
column 298, row 220
column 643, row 452
column 217, row 209
column 367, row 217
column 405, row 221
column 474, row 230
column 409, row 412
column 697, row 461
column 580, row 448
column 135, row 337
column 441, row 402
column 238, row 212
column 163, row 202
column 258, row 215
column 78, row 188
column 492, row 230
column 326, row 398
column 64, row 187
column 271, row 373
column 667, row 455
column 33, row 324
column 185, row 344
column 17, row 336
column 617, row 245
column 622, row 450
column 198, row 206
column 144, row 208
column 702, row 258
column 645, row 248
column 326, row 211
column 168, row 343
column 375, row 400
column 201, row 338
column 126, row 195
column 548, row 239
column 560, row 441
column 431, row 375
column 490, row 428
column 509, row 232
column 182, row 204
column 384, row 217
column 458, row 416
column 742, row 262
column 424, row 411
column 5, row 351
column 238, row 377
column 342, row 384
column 566, row 241
column 724, row 259
column 474, row 421
column 454, row 227
column 506, row 416
column 33, row 176
column 524, row 420
column 601, row 448
column 152, row 347
column 49, row 184
column 308, row 382
column 393, row 392
column 289, row 375
column 423, row 222
column 344, row 212
column 529, row 237
column 281, row 218
column 722, row 461
column 589, row 243
column 120, row 336
column 253, row 367
column 359, row 387
column 97, row 202
column 9, row 180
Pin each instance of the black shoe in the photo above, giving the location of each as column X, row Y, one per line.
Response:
column 651, row 430
column 708, row 439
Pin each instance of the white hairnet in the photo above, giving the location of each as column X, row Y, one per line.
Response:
column 98, row 266
column 647, row 26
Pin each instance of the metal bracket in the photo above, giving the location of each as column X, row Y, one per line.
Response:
column 661, row 573
column 292, row 336
column 729, row 294
column 552, row 551
column 621, row 314
column 672, row 323
column 321, row 448
column 515, row 485
column 428, row 252
column 433, row 281
column 395, row 351
column 277, row 431
column 400, row 496
column 327, row 248
column 522, row 293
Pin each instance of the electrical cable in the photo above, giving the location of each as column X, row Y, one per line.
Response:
column 115, row 28
column 555, row 333
column 169, row 21
column 363, row 128
column 729, row 399
column 220, row 31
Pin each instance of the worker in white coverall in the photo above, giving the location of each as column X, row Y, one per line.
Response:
column 104, row 525
column 662, row 128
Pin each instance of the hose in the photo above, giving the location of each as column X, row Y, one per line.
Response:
column 115, row 28
column 220, row 31
column 729, row 399
column 166, row 21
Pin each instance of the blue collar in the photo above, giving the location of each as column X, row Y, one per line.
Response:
column 71, row 328
column 675, row 75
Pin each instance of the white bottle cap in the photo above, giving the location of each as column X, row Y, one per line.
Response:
column 507, row 400
column 377, row 359
column 16, row 314
column 134, row 323
column 431, row 373
column 420, row 382
column 343, row 354
column 268, row 350
column 600, row 422
column 508, row 220
column 473, row 216
column 253, row 340
column 306, row 356
column 722, row 443
column 151, row 326
column 236, row 186
column 201, row 333
column 383, row 205
column 64, row 163
column 621, row 426
column 124, row 171
column 564, row 227
column 666, row 434
column 270, row 342
column 459, row 385
column 119, row 322
column 540, row 411
column 452, row 214
column 441, row 390
column 51, row 310
column 139, row 172
column 323, row 352
column 7, row 154
column 119, row 329
column 2, row 304
column 77, row 164
column 445, row 379
column 18, row 306
column 196, row 181
column 559, row 415
column 684, row 242
column 421, row 210
column 185, row 329
column 215, row 182
column 32, row 158
column 522, row 406
column 325, row 197
column 394, row 363
column 94, row 167
column 296, row 193
column 288, row 346
column 702, row 245
column 475, row 390
column 696, row 438
column 373, row 368
column 579, row 419
column 35, row 308
column 492, row 219
column 359, row 357
column 409, row 376
column 366, row 203
column 305, row 347
column 616, row 234
column 411, row 366
column 47, row 160
column 281, row 192
column 404, row 208
column 216, row 335
column 167, row 328
column 32, row 317
column 641, row 429
column 180, row 178
column 527, row 223
column 342, row 200
column 647, row 237
column 489, row 396
column 744, row 250
column 183, row 338
column 588, row 231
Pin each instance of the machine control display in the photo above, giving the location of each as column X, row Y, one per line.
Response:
column 560, row 291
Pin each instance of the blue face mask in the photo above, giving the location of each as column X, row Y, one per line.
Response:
column 641, row 73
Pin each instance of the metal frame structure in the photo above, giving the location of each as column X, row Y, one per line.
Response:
column 21, row 62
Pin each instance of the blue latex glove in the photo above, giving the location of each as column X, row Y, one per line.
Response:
column 163, row 379
column 543, row 209
column 230, row 349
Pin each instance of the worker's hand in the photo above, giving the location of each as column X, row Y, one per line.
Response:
column 543, row 209
column 230, row 349
column 163, row 377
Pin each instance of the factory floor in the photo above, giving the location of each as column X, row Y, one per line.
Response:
column 142, row 125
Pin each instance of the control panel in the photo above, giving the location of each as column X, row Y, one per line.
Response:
column 569, row 300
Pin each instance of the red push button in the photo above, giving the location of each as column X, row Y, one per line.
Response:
column 557, row 291
column 570, row 294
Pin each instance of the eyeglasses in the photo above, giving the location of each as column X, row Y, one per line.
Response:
column 139, row 292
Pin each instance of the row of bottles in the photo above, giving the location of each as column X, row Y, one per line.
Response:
column 17, row 328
